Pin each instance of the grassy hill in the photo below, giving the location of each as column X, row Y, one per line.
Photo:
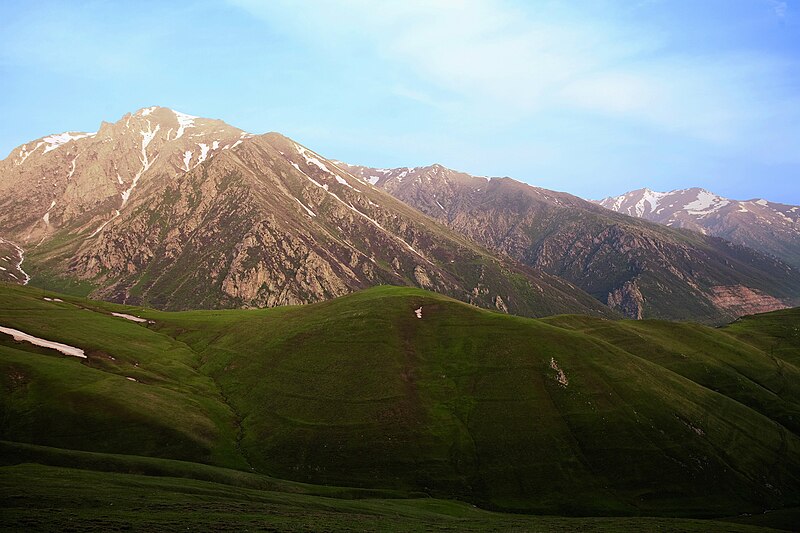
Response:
column 568, row 415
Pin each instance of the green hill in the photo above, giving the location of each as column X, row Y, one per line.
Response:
column 568, row 415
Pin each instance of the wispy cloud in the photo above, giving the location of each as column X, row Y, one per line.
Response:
column 780, row 8
column 501, row 60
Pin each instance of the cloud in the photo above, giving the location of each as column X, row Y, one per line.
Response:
column 500, row 59
column 780, row 8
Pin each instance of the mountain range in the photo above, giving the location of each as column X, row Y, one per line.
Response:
column 766, row 226
column 639, row 268
column 179, row 212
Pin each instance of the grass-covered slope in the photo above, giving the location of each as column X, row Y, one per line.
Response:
column 567, row 415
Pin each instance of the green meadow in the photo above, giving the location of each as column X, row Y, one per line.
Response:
column 355, row 414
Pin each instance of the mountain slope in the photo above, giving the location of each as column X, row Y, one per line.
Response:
column 403, row 389
column 640, row 268
column 769, row 227
column 255, row 221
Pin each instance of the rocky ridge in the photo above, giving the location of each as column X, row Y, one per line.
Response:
column 769, row 227
column 639, row 268
column 179, row 212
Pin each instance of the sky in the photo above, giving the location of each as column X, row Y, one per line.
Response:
column 591, row 97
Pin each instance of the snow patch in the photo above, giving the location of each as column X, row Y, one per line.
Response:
column 187, row 158
column 25, row 154
column 418, row 312
column 63, row 348
column 104, row 224
column 650, row 198
column 705, row 204
column 129, row 317
column 309, row 211
column 54, row 141
column 184, row 121
column 762, row 202
column 147, row 137
column 311, row 160
column 204, row 148
column 21, row 257
column 342, row 181
column 130, row 378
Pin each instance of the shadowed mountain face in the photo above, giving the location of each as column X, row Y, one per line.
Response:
column 180, row 212
column 769, row 227
column 637, row 267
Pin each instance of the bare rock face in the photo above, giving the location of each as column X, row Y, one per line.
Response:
column 768, row 227
column 639, row 268
column 743, row 300
column 627, row 299
column 178, row 212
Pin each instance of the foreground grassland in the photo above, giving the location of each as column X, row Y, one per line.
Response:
column 381, row 419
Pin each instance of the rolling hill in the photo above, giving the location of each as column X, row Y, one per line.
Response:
column 407, row 391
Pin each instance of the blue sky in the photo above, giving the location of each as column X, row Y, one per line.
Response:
column 595, row 97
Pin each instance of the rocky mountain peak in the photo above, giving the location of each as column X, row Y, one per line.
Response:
column 769, row 227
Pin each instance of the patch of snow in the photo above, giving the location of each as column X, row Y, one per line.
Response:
column 440, row 205
column 762, row 202
column 342, row 181
column 372, row 180
column 21, row 256
column 311, row 160
column 204, row 148
column 104, row 224
column 187, row 158
column 418, row 312
column 705, row 204
column 309, row 211
column 54, row 141
column 147, row 137
column 3, row 269
column 184, row 121
column 130, row 378
column 237, row 143
column 119, row 179
column 129, row 317
column 147, row 110
column 352, row 208
column 72, row 168
column 650, row 198
column 215, row 145
column 24, row 153
column 63, row 348
column 743, row 209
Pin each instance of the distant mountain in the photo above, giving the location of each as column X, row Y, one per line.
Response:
column 178, row 212
column 769, row 227
column 637, row 267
